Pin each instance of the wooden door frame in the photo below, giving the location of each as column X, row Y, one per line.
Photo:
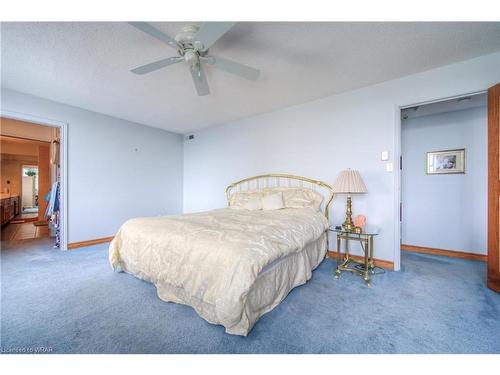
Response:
column 63, row 127
column 493, row 188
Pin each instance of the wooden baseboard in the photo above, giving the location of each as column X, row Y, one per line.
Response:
column 75, row 245
column 385, row 264
column 446, row 253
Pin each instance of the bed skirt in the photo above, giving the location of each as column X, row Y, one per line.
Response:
column 271, row 287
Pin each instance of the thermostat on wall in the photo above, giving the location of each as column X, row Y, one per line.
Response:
column 385, row 155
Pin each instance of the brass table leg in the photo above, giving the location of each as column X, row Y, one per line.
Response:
column 339, row 257
column 372, row 265
column 347, row 247
column 367, row 266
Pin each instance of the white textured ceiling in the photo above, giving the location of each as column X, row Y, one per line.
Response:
column 87, row 65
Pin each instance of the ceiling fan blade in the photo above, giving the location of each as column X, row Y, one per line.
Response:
column 234, row 68
column 210, row 32
column 155, row 33
column 148, row 68
column 199, row 79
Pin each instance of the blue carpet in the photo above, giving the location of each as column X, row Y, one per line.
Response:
column 72, row 302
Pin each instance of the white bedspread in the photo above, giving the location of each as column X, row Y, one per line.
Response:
column 213, row 258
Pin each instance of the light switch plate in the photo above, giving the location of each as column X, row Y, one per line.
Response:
column 385, row 155
column 388, row 167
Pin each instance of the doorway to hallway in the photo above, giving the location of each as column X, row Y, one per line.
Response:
column 30, row 176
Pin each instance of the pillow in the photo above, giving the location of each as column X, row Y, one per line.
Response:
column 253, row 204
column 302, row 198
column 273, row 201
column 297, row 197
column 293, row 197
column 240, row 198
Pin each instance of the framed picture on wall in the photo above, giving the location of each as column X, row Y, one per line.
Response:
column 445, row 162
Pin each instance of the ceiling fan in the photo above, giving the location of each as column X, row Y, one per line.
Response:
column 192, row 45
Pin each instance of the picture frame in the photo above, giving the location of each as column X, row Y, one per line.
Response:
column 445, row 162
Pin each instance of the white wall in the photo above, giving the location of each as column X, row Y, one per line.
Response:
column 116, row 169
column 320, row 138
column 446, row 211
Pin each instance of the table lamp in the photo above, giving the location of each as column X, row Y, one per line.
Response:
column 349, row 182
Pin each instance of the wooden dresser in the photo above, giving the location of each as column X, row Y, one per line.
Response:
column 9, row 209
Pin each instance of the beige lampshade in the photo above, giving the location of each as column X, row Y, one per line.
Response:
column 349, row 181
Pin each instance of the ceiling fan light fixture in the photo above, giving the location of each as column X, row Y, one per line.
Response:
column 191, row 57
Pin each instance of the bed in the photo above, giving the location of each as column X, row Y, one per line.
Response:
column 234, row 264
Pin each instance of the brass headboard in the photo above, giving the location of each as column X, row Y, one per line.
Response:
column 282, row 180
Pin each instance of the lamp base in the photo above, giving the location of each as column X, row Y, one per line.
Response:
column 348, row 223
column 349, row 227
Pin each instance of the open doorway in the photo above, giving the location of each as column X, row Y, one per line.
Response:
column 444, row 191
column 29, row 190
column 31, row 176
